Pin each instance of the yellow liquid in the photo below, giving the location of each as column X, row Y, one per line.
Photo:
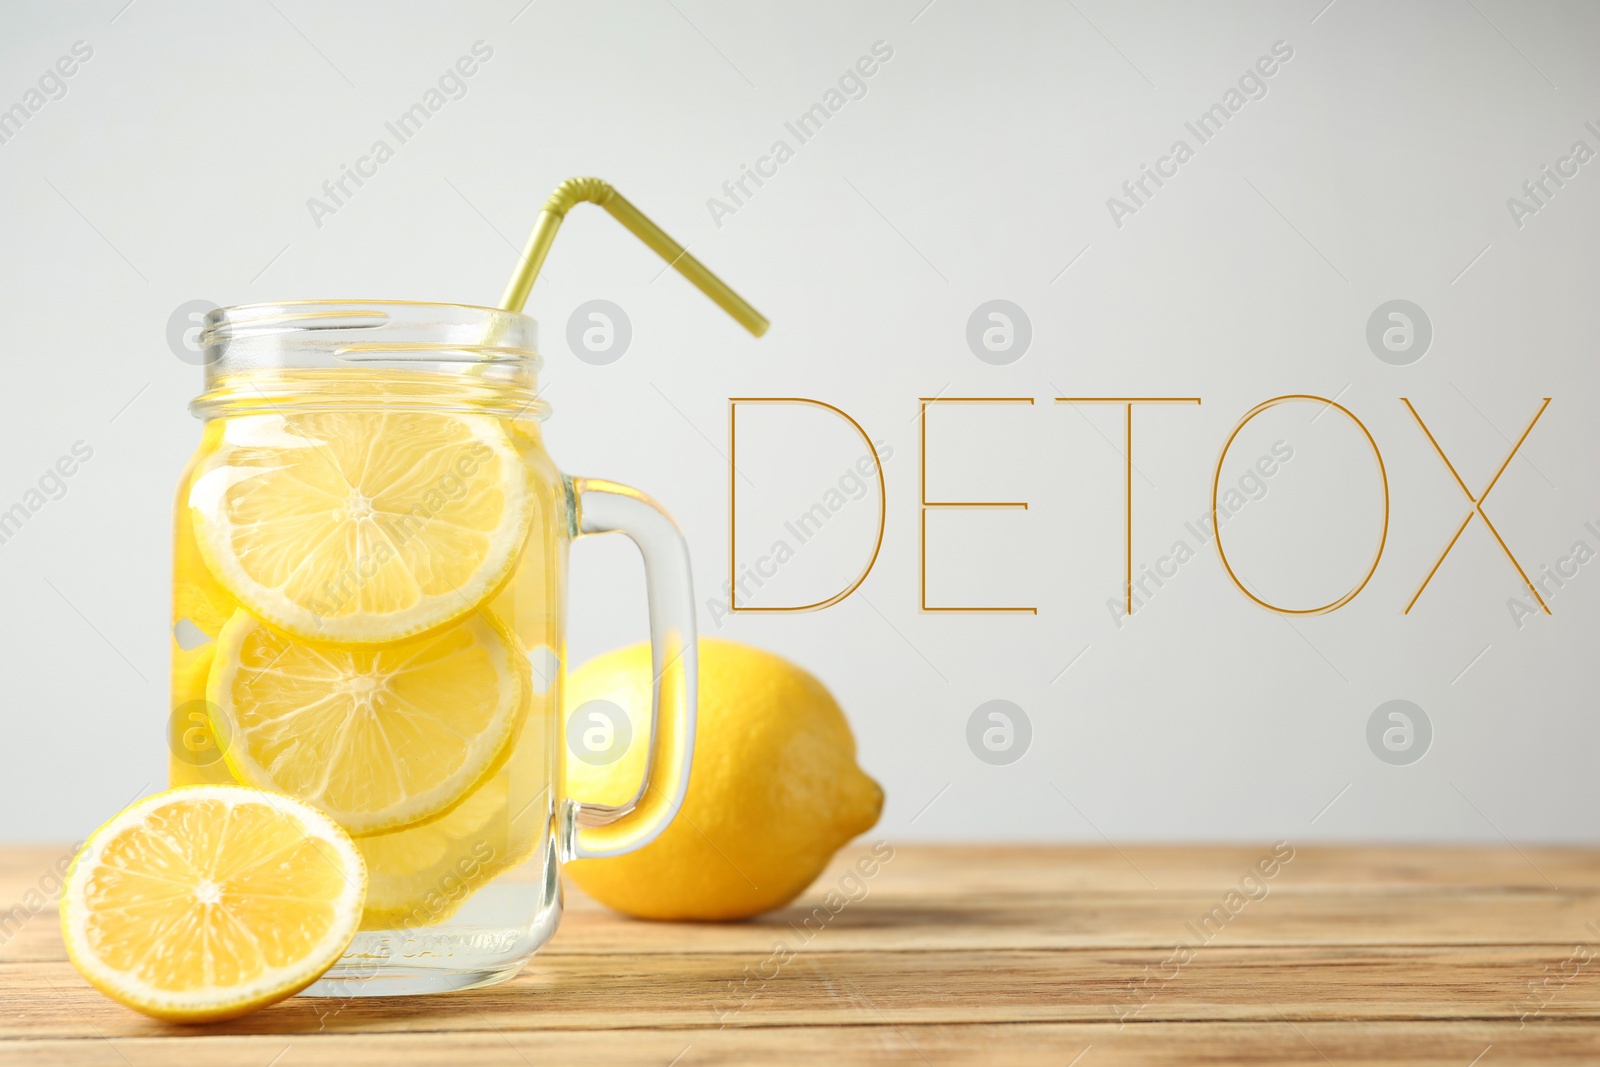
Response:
column 419, row 876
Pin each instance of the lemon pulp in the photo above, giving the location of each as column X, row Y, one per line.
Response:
column 378, row 737
column 360, row 525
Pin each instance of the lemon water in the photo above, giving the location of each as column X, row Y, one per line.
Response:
column 367, row 615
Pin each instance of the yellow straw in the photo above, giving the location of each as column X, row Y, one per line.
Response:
column 576, row 191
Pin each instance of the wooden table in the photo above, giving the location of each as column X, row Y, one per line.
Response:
column 1014, row 955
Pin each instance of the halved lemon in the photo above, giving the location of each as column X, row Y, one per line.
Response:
column 378, row 737
column 209, row 901
column 361, row 526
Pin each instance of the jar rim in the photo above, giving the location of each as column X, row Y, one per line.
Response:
column 361, row 300
column 484, row 358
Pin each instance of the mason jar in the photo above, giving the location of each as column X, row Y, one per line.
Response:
column 369, row 602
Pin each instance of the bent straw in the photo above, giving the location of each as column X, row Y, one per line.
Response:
column 575, row 191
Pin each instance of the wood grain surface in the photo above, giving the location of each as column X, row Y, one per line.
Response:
column 953, row 955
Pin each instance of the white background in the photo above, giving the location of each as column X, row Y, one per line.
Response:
column 977, row 166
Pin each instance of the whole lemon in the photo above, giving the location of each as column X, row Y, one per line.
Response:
column 774, row 792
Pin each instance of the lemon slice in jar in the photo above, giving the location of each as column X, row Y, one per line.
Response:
column 360, row 526
column 421, row 876
column 380, row 738
column 209, row 901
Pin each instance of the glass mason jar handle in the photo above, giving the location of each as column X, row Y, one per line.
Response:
column 597, row 830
